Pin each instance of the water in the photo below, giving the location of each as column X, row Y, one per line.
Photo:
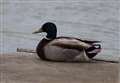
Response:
column 96, row 19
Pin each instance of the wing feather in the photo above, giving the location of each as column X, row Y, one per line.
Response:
column 70, row 43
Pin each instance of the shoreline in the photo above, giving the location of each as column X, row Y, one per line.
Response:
column 28, row 68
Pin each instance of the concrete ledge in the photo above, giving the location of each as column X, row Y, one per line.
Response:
column 28, row 68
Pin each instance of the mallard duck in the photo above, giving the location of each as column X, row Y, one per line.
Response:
column 53, row 48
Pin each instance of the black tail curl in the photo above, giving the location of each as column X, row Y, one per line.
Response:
column 94, row 47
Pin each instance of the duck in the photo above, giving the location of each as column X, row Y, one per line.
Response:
column 62, row 48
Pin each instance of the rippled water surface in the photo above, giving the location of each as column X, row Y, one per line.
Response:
column 92, row 19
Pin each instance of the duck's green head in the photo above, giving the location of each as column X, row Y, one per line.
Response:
column 49, row 28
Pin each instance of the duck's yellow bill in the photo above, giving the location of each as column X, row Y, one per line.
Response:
column 37, row 31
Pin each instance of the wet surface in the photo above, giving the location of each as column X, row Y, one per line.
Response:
column 97, row 20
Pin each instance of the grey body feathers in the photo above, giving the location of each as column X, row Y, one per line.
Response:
column 63, row 54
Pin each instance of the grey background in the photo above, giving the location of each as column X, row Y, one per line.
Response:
column 91, row 19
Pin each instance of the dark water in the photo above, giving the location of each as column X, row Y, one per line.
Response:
column 96, row 19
